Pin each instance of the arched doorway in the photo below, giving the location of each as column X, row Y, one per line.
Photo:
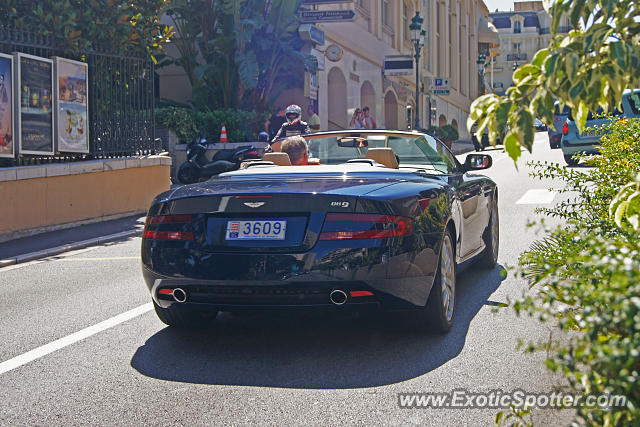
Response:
column 337, row 115
column 454, row 123
column 368, row 98
column 390, row 110
column 442, row 120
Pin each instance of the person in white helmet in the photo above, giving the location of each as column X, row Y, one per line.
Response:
column 294, row 125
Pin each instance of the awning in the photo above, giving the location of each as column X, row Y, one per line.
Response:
column 487, row 33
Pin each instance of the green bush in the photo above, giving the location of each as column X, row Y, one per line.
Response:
column 185, row 122
column 618, row 164
column 445, row 133
column 177, row 119
column 240, row 125
column 587, row 277
column 450, row 132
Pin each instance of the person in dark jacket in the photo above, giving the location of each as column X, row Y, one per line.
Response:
column 275, row 122
column 294, row 125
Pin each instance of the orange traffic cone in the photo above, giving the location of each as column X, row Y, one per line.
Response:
column 223, row 134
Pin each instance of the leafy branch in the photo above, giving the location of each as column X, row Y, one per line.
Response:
column 587, row 68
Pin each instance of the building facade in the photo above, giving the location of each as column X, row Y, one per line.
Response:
column 381, row 30
column 522, row 32
column 351, row 63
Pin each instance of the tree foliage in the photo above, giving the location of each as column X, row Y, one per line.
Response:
column 186, row 122
column 587, row 276
column 587, row 68
column 238, row 53
column 118, row 26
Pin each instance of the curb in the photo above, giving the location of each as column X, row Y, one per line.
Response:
column 68, row 247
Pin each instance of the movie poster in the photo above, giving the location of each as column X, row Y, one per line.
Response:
column 71, row 106
column 35, row 116
column 6, row 106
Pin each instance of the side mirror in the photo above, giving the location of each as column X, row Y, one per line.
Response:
column 477, row 162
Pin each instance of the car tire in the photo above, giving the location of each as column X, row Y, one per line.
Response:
column 188, row 173
column 437, row 315
column 570, row 160
column 491, row 236
column 179, row 317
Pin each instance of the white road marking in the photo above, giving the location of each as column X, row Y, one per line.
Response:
column 540, row 196
column 63, row 342
column 113, row 258
column 51, row 258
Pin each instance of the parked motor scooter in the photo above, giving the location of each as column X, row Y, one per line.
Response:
column 199, row 168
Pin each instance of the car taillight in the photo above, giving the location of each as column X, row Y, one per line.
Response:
column 565, row 129
column 365, row 226
column 168, row 227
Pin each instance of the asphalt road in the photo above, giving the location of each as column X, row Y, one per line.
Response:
column 270, row 369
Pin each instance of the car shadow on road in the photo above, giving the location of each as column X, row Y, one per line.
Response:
column 308, row 350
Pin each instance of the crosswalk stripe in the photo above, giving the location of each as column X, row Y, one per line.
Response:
column 540, row 196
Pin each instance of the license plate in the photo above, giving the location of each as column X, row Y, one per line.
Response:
column 256, row 230
column 590, row 133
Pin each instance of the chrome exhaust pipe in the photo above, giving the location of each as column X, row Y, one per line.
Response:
column 338, row 297
column 179, row 295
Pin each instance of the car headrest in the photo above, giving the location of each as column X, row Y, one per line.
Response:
column 280, row 159
column 384, row 156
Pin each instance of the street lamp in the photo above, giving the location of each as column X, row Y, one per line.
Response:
column 417, row 37
column 482, row 58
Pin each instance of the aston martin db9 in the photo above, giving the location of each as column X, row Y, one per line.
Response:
column 378, row 219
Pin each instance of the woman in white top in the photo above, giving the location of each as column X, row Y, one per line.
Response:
column 357, row 121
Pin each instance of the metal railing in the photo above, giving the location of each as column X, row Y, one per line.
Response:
column 121, row 99
column 562, row 29
column 516, row 57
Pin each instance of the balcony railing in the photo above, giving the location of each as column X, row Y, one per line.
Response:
column 516, row 57
column 562, row 29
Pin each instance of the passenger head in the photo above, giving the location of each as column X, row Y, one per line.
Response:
column 296, row 148
column 366, row 111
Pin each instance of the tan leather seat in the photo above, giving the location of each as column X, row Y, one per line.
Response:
column 384, row 156
column 280, row 159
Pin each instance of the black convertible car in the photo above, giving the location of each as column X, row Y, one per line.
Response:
column 380, row 220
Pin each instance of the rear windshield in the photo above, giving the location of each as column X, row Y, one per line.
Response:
column 424, row 151
column 600, row 112
column 634, row 100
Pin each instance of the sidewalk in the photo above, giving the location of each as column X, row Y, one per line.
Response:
column 55, row 242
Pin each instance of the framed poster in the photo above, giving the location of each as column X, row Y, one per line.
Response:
column 72, row 126
column 35, row 100
column 7, row 146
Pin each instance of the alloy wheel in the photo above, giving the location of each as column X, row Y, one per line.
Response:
column 447, row 278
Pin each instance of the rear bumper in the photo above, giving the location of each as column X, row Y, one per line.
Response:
column 239, row 295
column 583, row 145
column 238, row 281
